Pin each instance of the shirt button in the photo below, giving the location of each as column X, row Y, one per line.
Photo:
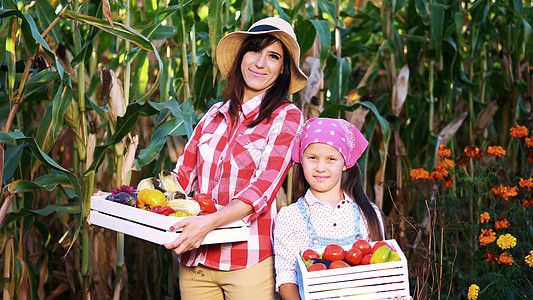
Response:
column 339, row 206
column 334, row 224
column 216, row 179
column 343, row 201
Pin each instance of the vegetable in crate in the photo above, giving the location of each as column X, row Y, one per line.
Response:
column 169, row 182
column 317, row 267
column 150, row 183
column 382, row 254
column 354, row 256
column 310, row 254
column 147, row 199
column 206, row 204
column 338, row 264
column 163, row 210
column 333, row 252
column 184, row 208
column 363, row 245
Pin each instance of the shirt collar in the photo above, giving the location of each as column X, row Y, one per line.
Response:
column 250, row 108
column 311, row 199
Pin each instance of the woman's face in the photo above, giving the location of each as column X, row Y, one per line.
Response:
column 261, row 68
column 323, row 165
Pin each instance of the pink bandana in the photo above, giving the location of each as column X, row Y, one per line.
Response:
column 340, row 134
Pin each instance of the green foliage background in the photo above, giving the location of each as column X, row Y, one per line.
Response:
column 469, row 82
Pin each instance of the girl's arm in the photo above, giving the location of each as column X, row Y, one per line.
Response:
column 289, row 291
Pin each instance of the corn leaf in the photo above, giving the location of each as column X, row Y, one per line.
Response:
column 124, row 32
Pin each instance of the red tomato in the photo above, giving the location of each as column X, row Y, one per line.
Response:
column 353, row 256
column 366, row 259
column 310, row 254
column 333, row 252
column 206, row 204
column 317, row 267
column 338, row 264
column 379, row 244
column 362, row 245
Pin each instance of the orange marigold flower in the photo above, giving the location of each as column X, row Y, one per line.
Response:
column 445, row 164
column 526, row 183
column 497, row 191
column 448, row 183
column 484, row 217
column 491, row 257
column 504, row 191
column 529, row 142
column 528, row 202
column 444, row 151
column 505, row 258
column 519, row 131
column 486, row 237
column 419, row 173
column 438, row 174
column 462, row 160
column 496, row 151
column 471, row 151
column 510, row 192
column 501, row 223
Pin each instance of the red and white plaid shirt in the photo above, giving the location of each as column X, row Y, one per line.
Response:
column 237, row 162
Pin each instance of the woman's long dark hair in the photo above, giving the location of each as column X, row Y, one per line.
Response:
column 274, row 97
column 352, row 184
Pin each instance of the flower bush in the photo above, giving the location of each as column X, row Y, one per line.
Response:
column 483, row 214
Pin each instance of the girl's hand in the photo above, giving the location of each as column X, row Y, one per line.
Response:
column 401, row 298
column 194, row 230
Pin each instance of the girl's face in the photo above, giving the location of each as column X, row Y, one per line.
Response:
column 260, row 69
column 323, row 166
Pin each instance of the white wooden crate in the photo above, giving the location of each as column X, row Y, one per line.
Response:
column 375, row 281
column 154, row 227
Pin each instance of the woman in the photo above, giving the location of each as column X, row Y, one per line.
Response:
column 239, row 154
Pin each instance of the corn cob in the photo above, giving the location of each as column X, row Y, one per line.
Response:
column 169, row 182
column 190, row 207
column 149, row 183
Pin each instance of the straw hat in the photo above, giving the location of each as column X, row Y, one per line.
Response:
column 229, row 46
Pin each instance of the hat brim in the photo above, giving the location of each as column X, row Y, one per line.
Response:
column 229, row 46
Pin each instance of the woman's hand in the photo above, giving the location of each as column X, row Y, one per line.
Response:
column 194, row 230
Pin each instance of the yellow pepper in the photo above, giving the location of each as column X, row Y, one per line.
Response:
column 147, row 199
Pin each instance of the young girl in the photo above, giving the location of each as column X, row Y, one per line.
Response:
column 329, row 212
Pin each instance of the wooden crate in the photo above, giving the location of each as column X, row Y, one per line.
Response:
column 376, row 281
column 154, row 227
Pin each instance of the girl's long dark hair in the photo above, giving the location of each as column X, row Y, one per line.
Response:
column 353, row 186
column 274, row 97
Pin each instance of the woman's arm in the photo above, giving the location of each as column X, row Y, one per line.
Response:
column 289, row 291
